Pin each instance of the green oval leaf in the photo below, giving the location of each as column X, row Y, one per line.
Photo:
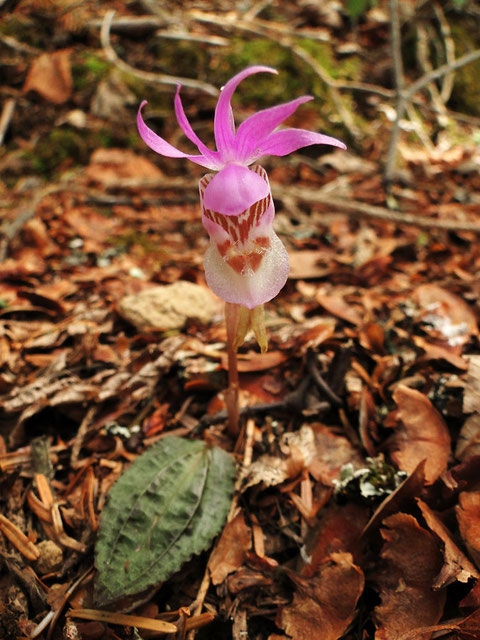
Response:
column 167, row 506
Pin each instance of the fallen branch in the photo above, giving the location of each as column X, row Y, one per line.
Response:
column 130, row 24
column 147, row 24
column 159, row 78
column 355, row 208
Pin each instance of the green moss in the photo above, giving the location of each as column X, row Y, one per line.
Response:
column 466, row 93
column 295, row 78
column 262, row 90
column 67, row 145
column 179, row 57
column 124, row 242
column 88, row 69
column 52, row 150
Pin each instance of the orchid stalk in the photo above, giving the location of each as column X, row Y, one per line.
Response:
column 246, row 263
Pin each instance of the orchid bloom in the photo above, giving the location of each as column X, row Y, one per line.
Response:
column 246, row 263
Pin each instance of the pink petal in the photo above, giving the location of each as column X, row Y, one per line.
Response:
column 258, row 126
column 283, row 142
column 234, row 189
column 251, row 289
column 162, row 147
column 182, row 119
column 223, row 123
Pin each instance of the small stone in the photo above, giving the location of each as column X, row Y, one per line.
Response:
column 169, row 306
column 51, row 557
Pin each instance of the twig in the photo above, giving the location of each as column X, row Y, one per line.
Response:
column 344, row 113
column 320, row 382
column 26, row 579
column 438, row 73
column 18, row 539
column 148, row 76
column 5, row 118
column 449, row 43
column 285, row 41
column 256, row 9
column 129, row 24
column 157, row 9
column 417, row 125
column 19, row 46
column 60, row 605
column 10, row 230
column 53, row 615
column 423, row 57
column 216, row 41
column 353, row 207
column 405, row 95
column 142, row 622
column 78, row 440
column 396, row 48
column 272, row 32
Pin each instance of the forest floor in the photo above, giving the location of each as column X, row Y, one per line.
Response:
column 356, row 511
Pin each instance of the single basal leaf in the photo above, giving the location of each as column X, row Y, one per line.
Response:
column 167, row 506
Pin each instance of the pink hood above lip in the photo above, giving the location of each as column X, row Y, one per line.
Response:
column 234, row 189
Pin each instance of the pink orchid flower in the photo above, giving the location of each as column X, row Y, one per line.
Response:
column 246, row 263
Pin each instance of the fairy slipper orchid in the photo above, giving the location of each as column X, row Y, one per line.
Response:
column 246, row 263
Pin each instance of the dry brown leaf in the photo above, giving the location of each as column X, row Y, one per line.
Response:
column 304, row 264
column 372, row 337
column 471, row 393
column 422, row 436
column 468, row 443
column 470, row 626
column 468, row 516
column 441, row 352
column 315, row 335
column 266, row 387
column 449, row 316
column 330, row 453
column 246, row 578
column 35, row 233
column 456, row 565
column 315, row 447
column 325, row 602
column 50, row 76
column 94, row 228
column 472, row 599
column 411, row 562
column 337, row 306
column 338, row 529
column 465, row 475
column 298, row 448
column 111, row 167
column 253, row 361
column 231, row 550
